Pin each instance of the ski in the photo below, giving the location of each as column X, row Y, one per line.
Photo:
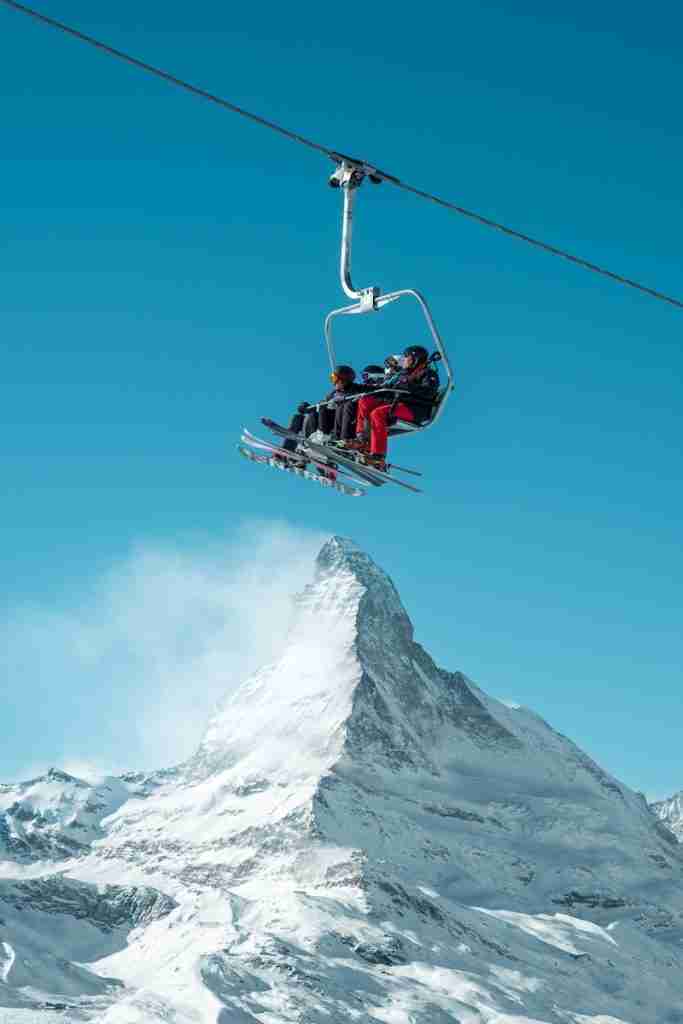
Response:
column 369, row 472
column 277, row 428
column 281, row 431
column 364, row 473
column 324, row 481
column 293, row 456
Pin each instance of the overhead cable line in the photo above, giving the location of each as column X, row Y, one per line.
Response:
column 338, row 157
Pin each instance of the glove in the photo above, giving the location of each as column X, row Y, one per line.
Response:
column 302, row 407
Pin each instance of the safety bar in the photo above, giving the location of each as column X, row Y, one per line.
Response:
column 383, row 300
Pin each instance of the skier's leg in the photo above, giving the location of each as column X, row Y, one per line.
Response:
column 295, row 425
column 347, row 421
column 365, row 406
column 404, row 412
column 326, row 420
column 311, row 423
column 379, row 430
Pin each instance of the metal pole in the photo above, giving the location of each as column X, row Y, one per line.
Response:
column 349, row 190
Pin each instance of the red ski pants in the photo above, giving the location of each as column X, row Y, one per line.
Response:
column 377, row 411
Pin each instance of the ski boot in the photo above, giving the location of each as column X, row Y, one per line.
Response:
column 375, row 461
column 317, row 437
column 356, row 444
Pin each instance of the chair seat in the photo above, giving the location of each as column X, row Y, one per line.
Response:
column 408, row 427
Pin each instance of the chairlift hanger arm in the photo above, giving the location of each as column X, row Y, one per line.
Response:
column 349, row 176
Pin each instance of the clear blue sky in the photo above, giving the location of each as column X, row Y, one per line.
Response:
column 165, row 270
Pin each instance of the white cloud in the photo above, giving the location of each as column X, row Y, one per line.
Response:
column 158, row 640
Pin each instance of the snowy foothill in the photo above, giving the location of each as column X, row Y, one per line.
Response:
column 360, row 836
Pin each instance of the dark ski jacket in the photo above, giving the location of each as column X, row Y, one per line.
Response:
column 423, row 385
column 339, row 394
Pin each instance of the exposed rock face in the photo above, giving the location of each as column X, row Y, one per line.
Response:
column 670, row 812
column 108, row 908
column 365, row 836
column 55, row 816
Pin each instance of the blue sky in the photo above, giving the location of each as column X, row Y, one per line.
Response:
column 166, row 268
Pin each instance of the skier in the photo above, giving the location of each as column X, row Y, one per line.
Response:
column 373, row 376
column 416, row 377
column 392, row 365
column 346, row 412
column 320, row 421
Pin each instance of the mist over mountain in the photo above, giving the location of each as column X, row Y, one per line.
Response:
column 361, row 835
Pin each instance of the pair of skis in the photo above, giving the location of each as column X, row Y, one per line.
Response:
column 330, row 463
column 293, row 462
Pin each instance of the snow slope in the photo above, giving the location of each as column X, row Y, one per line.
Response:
column 361, row 836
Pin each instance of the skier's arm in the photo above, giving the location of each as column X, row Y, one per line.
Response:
column 425, row 386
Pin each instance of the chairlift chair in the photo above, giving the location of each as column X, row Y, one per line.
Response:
column 348, row 176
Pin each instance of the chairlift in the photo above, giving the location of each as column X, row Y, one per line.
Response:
column 323, row 461
column 348, row 177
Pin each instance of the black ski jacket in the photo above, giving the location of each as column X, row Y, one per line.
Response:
column 423, row 387
column 339, row 394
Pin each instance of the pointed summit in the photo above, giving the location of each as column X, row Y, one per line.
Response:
column 337, row 549
column 348, row 584
column 342, row 554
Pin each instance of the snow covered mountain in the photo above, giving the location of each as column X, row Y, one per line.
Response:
column 671, row 813
column 361, row 836
column 56, row 815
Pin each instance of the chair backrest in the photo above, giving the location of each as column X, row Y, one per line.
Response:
column 406, row 427
column 441, row 394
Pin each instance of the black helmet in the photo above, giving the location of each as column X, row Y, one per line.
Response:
column 372, row 374
column 345, row 373
column 418, row 352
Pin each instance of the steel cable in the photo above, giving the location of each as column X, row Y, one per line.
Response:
column 337, row 157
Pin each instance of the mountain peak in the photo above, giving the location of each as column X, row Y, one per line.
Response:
column 338, row 551
column 342, row 555
column 59, row 775
column 350, row 614
column 344, row 570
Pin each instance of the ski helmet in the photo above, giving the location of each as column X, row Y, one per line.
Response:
column 373, row 374
column 343, row 374
column 418, row 353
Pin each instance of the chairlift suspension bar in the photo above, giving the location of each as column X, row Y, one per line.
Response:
column 349, row 176
column 347, row 237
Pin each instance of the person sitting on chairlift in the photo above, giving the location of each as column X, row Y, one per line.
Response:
column 346, row 412
column 417, row 384
column 322, row 421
